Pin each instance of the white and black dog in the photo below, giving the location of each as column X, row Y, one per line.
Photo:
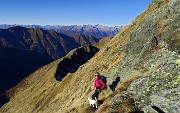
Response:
column 93, row 102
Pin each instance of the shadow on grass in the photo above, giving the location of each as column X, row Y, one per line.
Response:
column 114, row 84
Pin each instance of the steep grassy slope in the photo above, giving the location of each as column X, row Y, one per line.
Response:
column 16, row 64
column 84, row 39
column 102, row 43
column 134, row 53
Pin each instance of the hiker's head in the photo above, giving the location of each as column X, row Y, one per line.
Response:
column 97, row 74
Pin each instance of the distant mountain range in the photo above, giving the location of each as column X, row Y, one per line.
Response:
column 36, row 39
column 98, row 31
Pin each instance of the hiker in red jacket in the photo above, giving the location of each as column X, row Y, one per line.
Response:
column 99, row 85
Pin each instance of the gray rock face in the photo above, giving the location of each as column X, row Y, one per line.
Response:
column 163, row 24
column 154, row 46
column 157, row 90
column 157, row 30
column 160, row 88
column 124, row 101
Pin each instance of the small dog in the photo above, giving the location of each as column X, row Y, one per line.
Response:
column 92, row 102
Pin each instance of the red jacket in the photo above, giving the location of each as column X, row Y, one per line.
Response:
column 99, row 84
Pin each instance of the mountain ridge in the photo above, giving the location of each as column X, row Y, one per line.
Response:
column 37, row 39
column 98, row 31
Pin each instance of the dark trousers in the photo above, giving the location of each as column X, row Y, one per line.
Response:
column 96, row 93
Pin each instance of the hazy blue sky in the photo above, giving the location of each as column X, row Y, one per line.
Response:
column 71, row 12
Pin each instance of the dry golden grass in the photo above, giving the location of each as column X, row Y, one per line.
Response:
column 40, row 92
column 103, row 42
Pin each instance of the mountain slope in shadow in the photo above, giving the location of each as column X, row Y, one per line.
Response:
column 74, row 59
column 16, row 64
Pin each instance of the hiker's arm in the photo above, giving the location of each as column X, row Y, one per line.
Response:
column 103, row 84
column 94, row 85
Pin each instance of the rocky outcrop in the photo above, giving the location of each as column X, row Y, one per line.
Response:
column 161, row 87
column 159, row 90
column 124, row 103
column 152, row 52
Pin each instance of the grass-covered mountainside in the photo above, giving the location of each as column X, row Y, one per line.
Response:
column 36, row 39
column 84, row 39
column 141, row 63
column 16, row 64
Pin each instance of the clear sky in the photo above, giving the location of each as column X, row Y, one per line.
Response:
column 71, row 12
